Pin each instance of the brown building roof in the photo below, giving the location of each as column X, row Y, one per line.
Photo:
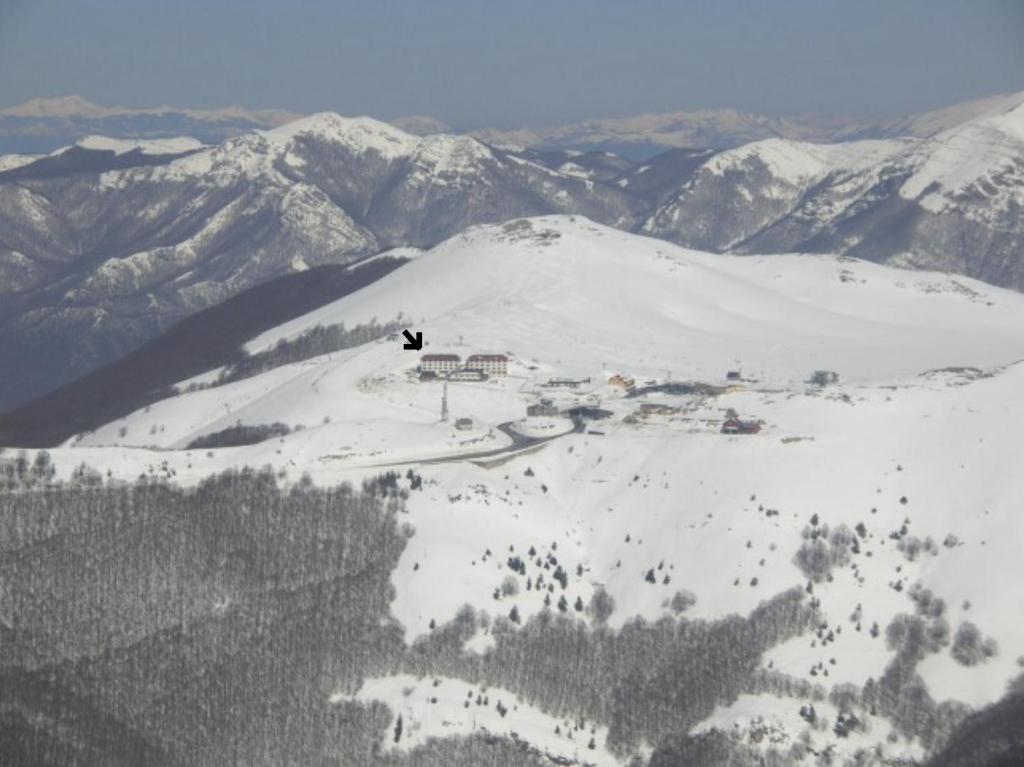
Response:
column 439, row 358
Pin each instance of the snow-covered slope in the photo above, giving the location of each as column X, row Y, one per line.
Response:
column 602, row 292
column 928, row 124
column 983, row 158
column 891, row 493
column 167, row 146
column 12, row 161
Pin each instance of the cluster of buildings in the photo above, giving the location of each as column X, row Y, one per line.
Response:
column 480, row 367
column 477, row 367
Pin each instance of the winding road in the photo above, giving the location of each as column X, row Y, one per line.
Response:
column 520, row 443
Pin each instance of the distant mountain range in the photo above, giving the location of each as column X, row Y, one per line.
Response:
column 44, row 124
column 108, row 242
column 640, row 135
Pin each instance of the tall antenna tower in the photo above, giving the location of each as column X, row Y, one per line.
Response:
column 444, row 404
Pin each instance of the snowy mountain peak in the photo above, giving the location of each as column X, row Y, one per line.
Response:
column 75, row 107
column 61, row 106
column 358, row 134
column 448, row 153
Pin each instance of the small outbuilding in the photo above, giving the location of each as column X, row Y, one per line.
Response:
column 543, row 408
column 823, row 378
column 736, row 426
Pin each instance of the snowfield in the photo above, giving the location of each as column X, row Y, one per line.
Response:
column 12, row 161
column 910, row 458
column 177, row 145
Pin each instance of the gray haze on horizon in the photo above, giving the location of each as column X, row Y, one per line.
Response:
column 477, row 64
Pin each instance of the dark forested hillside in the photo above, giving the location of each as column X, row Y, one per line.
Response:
column 994, row 737
column 146, row 623
column 204, row 341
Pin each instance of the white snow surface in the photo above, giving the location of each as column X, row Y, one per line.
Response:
column 177, row 145
column 921, row 432
column 12, row 161
column 939, row 120
column 795, row 161
column 357, row 133
column 565, row 281
column 960, row 157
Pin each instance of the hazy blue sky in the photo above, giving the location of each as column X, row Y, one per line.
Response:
column 515, row 62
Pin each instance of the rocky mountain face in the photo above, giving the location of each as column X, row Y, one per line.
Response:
column 951, row 202
column 106, row 243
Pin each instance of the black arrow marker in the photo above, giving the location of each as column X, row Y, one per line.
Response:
column 414, row 342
